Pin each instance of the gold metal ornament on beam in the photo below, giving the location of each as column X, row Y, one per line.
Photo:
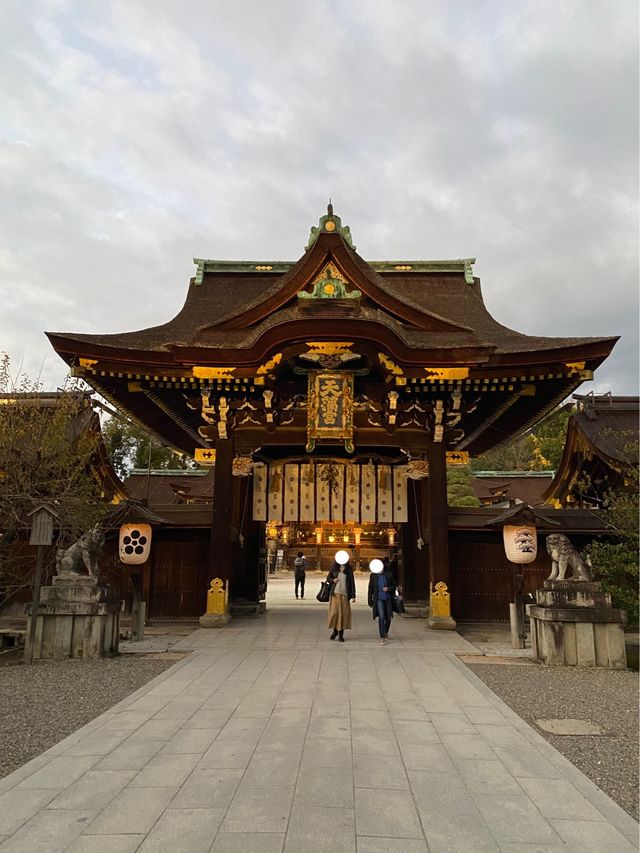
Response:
column 457, row 457
column 205, row 455
column 242, row 466
column 417, row 469
column 435, row 373
column 200, row 372
column 274, row 361
column 390, row 365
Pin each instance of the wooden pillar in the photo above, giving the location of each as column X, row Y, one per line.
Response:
column 220, row 552
column 415, row 555
column 440, row 615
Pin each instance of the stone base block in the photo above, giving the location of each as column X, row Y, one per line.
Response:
column 441, row 623
column 214, row 620
column 578, row 637
column 77, row 618
column 572, row 594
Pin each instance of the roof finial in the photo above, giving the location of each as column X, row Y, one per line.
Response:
column 333, row 224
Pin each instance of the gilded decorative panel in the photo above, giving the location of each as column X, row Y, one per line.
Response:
column 330, row 405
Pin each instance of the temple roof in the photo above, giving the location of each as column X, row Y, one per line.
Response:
column 421, row 326
column 601, row 444
column 440, row 293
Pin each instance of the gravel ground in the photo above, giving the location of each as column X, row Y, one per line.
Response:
column 42, row 704
column 604, row 697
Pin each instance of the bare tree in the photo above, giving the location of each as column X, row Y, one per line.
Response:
column 48, row 445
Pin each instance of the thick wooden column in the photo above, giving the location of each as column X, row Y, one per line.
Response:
column 220, row 552
column 438, row 535
column 415, row 559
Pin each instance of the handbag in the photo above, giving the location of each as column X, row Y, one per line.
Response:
column 397, row 603
column 324, row 593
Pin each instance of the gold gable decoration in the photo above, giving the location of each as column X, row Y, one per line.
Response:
column 330, row 407
column 329, row 284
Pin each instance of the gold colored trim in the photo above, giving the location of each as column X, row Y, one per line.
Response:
column 330, row 347
column 390, row 365
column 330, row 271
column 269, row 365
column 436, row 373
column 457, row 457
column 574, row 366
column 205, row 456
column 88, row 362
column 211, row 372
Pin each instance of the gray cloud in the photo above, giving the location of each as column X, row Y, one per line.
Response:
column 136, row 135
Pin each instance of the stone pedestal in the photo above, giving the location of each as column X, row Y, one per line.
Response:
column 573, row 624
column 441, row 623
column 214, row 620
column 76, row 618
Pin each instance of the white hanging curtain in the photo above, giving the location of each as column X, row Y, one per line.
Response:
column 361, row 493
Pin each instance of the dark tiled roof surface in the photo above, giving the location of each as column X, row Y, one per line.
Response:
column 161, row 486
column 613, row 432
column 224, row 295
column 564, row 520
column 528, row 489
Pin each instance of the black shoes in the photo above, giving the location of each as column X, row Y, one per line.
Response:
column 340, row 637
column 334, row 635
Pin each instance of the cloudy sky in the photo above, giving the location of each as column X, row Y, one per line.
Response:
column 137, row 134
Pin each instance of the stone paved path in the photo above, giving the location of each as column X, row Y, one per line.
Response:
column 270, row 738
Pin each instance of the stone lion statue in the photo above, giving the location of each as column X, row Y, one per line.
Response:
column 564, row 556
column 84, row 552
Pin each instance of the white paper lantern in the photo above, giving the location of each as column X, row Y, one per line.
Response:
column 520, row 542
column 376, row 566
column 135, row 543
column 341, row 558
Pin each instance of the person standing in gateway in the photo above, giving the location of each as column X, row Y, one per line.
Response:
column 343, row 592
column 300, row 573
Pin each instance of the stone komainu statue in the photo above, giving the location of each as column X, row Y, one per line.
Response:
column 564, row 556
column 84, row 552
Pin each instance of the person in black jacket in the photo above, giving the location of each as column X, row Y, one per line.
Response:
column 343, row 592
column 300, row 573
column 382, row 588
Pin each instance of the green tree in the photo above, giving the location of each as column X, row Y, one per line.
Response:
column 128, row 447
column 459, row 489
column 539, row 450
column 615, row 562
column 47, row 447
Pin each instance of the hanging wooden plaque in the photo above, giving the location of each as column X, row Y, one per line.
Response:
column 330, row 406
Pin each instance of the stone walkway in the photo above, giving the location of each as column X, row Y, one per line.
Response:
column 270, row 738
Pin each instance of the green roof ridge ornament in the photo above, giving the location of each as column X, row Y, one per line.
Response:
column 330, row 284
column 333, row 224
